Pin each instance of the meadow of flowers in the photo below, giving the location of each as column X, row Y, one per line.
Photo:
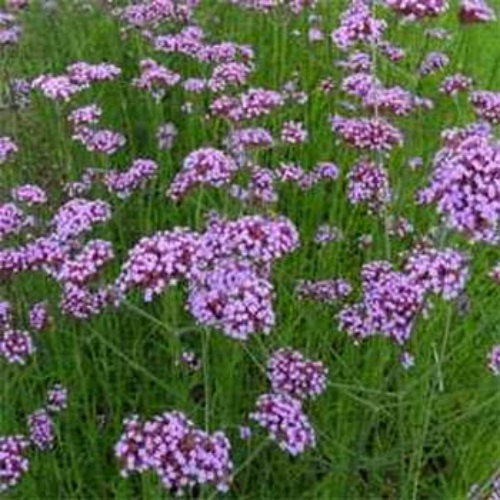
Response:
column 249, row 249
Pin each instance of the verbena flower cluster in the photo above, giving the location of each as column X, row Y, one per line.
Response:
column 170, row 446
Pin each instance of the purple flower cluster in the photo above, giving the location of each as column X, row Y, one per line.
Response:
column 284, row 419
column 368, row 134
column 476, row 11
column 203, row 166
column 16, row 346
column 249, row 138
column 124, row 183
column 41, row 429
column 78, row 216
column 494, row 360
column 328, row 234
column 181, row 455
column 368, row 183
column 7, row 149
column 486, row 105
column 29, row 194
column 233, row 298
column 159, row 261
column 328, row 291
column 13, row 463
column 39, row 317
column 433, row 62
column 442, row 272
column 250, row 105
column 57, row 398
column 12, row 220
column 86, row 115
column 166, row 135
column 464, row 183
column 291, row 373
column 86, row 265
column 456, row 83
column 390, row 305
column 419, row 8
column 229, row 74
column 294, row 133
column 104, row 141
column 155, row 78
column 392, row 300
column 358, row 26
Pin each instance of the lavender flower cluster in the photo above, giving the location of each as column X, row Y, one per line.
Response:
column 170, row 446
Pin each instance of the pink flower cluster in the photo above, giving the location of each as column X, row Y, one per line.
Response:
column 204, row 166
column 368, row 134
column 284, row 419
column 291, row 373
column 392, row 300
column 456, row 83
column 254, row 103
column 419, row 8
column 13, row 462
column 464, row 185
column 368, row 183
column 486, row 105
column 358, row 26
column 29, row 194
column 476, row 11
column 12, row 220
column 232, row 298
column 181, row 455
column 79, row 76
column 226, row 291
column 7, row 149
column 155, row 78
column 123, row 184
column 494, row 360
column 328, row 291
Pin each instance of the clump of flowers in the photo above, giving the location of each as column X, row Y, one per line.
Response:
column 293, row 133
column 78, row 216
column 203, row 166
column 13, row 462
column 41, row 429
column 39, row 317
column 29, row 194
column 16, row 346
column 463, row 184
column 123, row 184
column 293, row 374
column 284, row 419
column 328, row 291
column 476, row 11
column 442, row 272
column 433, row 62
column 419, row 8
column 456, row 83
column 159, row 261
column 233, row 298
column 181, row 455
column 368, row 183
column 367, row 134
column 155, row 79
column 166, row 135
column 358, row 26
column 494, row 360
column 486, row 105
column 57, row 398
column 390, row 305
column 7, row 149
